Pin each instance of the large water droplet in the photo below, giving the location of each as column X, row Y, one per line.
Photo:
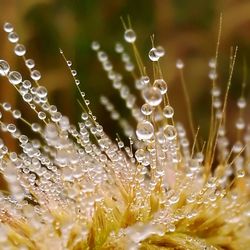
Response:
column 4, row 67
column 144, row 130
column 14, row 77
column 152, row 96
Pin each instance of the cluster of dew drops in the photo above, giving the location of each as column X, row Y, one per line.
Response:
column 157, row 139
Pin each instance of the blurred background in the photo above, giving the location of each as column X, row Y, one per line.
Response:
column 186, row 29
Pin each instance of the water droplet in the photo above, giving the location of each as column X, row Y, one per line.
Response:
column 140, row 154
column 174, row 199
column 4, row 68
column 168, row 111
column 153, row 55
column 215, row 91
column 35, row 75
column 8, row 27
column 95, row 45
column 41, row 115
column 160, row 51
column 240, row 123
column 26, row 84
column 13, row 37
column 41, row 91
column 15, row 77
column 11, row 128
column 119, row 48
column 144, row 130
column 170, row 132
column 20, row 50
column 6, row 106
column 212, row 63
column 30, row 63
column 179, row 64
column 152, row 96
column 240, row 173
column 16, row 114
column 146, row 109
column 241, row 103
column 27, row 97
column 212, row 74
column 161, row 85
column 73, row 72
column 129, row 36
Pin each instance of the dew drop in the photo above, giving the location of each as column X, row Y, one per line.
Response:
column 95, row 45
column 160, row 51
column 153, row 55
column 35, row 75
column 179, row 64
column 161, row 85
column 240, row 173
column 168, row 111
column 119, row 48
column 170, row 132
column 152, row 96
column 11, row 128
column 146, row 109
column 27, row 97
column 241, row 103
column 14, row 77
column 8, row 27
column 4, row 67
column 41, row 91
column 20, row 50
column 13, row 37
column 144, row 130
column 30, row 63
column 41, row 115
column 140, row 154
column 129, row 36
column 16, row 114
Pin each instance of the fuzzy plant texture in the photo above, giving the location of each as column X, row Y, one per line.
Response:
column 75, row 188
